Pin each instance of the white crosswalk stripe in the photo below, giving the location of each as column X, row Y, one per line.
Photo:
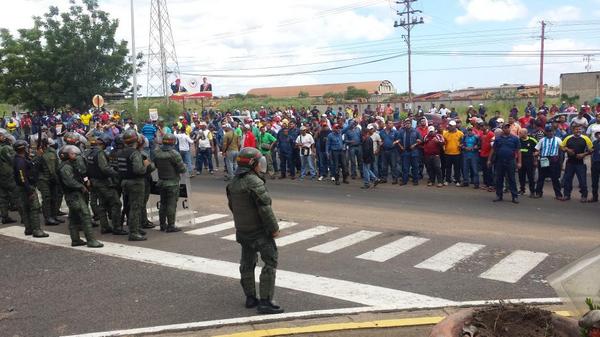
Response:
column 180, row 214
column 282, row 225
column 343, row 242
column 182, row 223
column 212, row 229
column 513, row 267
column 448, row 258
column 393, row 249
column 303, row 235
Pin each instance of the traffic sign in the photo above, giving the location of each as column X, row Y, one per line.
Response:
column 98, row 101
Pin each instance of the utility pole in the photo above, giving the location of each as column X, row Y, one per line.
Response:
column 541, row 92
column 134, row 60
column 407, row 21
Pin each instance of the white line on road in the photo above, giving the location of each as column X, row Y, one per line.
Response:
column 449, row 257
column 344, row 242
column 282, row 225
column 239, row 321
column 393, row 249
column 355, row 292
column 303, row 235
column 195, row 221
column 212, row 229
column 180, row 214
column 513, row 267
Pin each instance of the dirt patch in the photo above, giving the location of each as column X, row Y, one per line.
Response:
column 512, row 321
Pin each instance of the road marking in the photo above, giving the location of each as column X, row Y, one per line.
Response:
column 282, row 225
column 513, row 267
column 180, row 214
column 393, row 249
column 344, row 242
column 355, row 292
column 181, row 327
column 212, row 229
column 449, row 257
column 303, row 235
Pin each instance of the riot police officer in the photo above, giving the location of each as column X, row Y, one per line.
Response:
column 169, row 165
column 47, row 163
column 132, row 170
column 256, row 228
column 27, row 198
column 7, row 178
column 102, row 176
column 75, row 191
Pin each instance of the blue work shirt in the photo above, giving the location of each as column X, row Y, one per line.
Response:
column 505, row 147
column 334, row 142
column 387, row 139
column 284, row 142
column 407, row 138
column 473, row 142
column 352, row 137
column 149, row 131
column 596, row 153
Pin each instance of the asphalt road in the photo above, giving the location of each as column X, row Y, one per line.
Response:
column 53, row 290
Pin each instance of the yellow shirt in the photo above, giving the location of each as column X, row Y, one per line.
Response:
column 11, row 126
column 85, row 119
column 453, row 141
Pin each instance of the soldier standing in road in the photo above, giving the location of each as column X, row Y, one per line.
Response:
column 132, row 170
column 47, row 163
column 169, row 165
column 143, row 144
column 7, row 178
column 75, row 190
column 27, row 199
column 103, row 186
column 256, row 228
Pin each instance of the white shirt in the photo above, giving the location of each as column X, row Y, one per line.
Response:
column 203, row 143
column 592, row 129
column 432, row 110
column 376, row 141
column 305, row 141
column 444, row 111
column 184, row 141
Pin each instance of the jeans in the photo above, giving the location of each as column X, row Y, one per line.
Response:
column 453, row 161
column 230, row 157
column 287, row 163
column 323, row 163
column 505, row 168
column 471, row 169
column 337, row 163
column 355, row 158
column 434, row 169
column 410, row 162
column 570, row 171
column 527, row 170
column 204, row 158
column 389, row 163
column 368, row 174
column 595, row 178
column 552, row 171
column 187, row 160
column 307, row 163
column 488, row 177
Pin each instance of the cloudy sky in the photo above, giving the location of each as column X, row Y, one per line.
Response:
column 462, row 43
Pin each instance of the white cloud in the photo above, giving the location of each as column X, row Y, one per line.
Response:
column 563, row 13
column 240, row 34
column 491, row 10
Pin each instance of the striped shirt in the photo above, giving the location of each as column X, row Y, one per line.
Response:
column 548, row 147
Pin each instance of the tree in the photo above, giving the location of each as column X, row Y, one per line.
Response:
column 303, row 94
column 65, row 59
column 353, row 93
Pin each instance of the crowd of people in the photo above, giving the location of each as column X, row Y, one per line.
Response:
column 70, row 153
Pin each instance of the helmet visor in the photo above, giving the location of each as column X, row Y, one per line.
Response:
column 262, row 165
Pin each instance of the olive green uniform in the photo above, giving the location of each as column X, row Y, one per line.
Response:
column 48, row 184
column 7, row 179
column 102, row 177
column 73, row 186
column 92, row 196
column 255, row 224
column 147, row 189
column 133, row 174
column 169, row 165
column 26, row 194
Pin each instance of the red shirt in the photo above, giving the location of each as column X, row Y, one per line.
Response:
column 432, row 145
column 486, row 144
column 524, row 121
column 249, row 140
column 423, row 130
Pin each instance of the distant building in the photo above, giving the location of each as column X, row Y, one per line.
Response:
column 318, row 90
column 585, row 85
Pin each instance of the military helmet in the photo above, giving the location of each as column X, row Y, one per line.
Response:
column 63, row 154
column 119, row 141
column 248, row 159
column 3, row 133
column 104, row 139
column 20, row 145
column 130, row 136
column 169, row 139
column 71, row 138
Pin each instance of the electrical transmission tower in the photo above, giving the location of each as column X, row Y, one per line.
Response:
column 588, row 59
column 408, row 21
column 163, row 66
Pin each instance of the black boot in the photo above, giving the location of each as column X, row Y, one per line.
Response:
column 78, row 243
column 136, row 237
column 173, row 229
column 106, row 230
column 38, row 233
column 119, row 231
column 266, row 307
column 8, row 220
column 58, row 220
column 251, row 302
column 163, row 227
column 60, row 213
column 51, row 222
column 148, row 225
column 142, row 232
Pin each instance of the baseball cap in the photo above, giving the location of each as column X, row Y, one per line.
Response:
column 548, row 128
column 302, row 128
column 370, row 127
column 431, row 128
column 500, row 120
column 453, row 123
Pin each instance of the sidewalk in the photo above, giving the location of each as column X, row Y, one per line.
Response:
column 399, row 323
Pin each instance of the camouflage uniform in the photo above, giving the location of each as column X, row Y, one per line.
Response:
column 48, row 185
column 7, row 180
column 169, row 165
